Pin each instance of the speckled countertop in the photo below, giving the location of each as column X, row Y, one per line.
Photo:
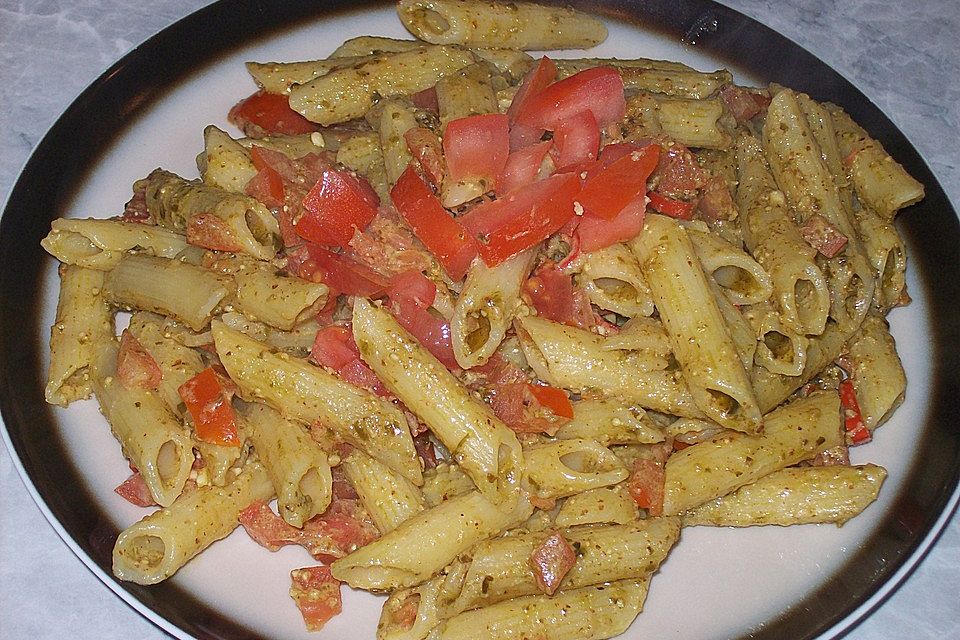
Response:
column 903, row 55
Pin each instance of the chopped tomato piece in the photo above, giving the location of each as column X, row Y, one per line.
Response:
column 426, row 100
column 605, row 194
column 678, row 174
column 680, row 209
column 266, row 187
column 823, row 236
column 210, row 409
column 554, row 399
column 597, row 233
column 135, row 367
column 136, row 208
column 522, row 168
column 341, row 529
column 551, row 561
column 339, row 203
column 317, row 594
column 535, row 81
column 522, row 135
column 388, row 246
column 211, row 232
column 404, row 614
column 529, row 408
column 520, row 220
column 431, row 331
column 425, row 147
column 414, row 285
column 598, row 90
column 135, row 491
column 340, row 272
column 741, row 103
column 716, row 203
column 443, row 236
column 268, row 113
column 646, row 485
column 576, row 140
column 335, row 348
column 552, row 294
column 476, row 147
column 857, row 431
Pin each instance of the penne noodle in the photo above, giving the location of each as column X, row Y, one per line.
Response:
column 697, row 330
column 154, row 548
column 388, row 497
column 798, row 495
column 83, row 322
column 296, row 464
column 713, row 468
column 613, row 281
column 100, row 244
column 604, row 505
column 566, row 467
column 518, row 25
column 655, row 76
column 486, row 449
column 211, row 217
column 308, row 394
column 280, row 77
column 610, row 421
column 347, row 93
column 224, row 163
column 778, row 349
column 877, row 375
column 742, row 279
column 485, row 308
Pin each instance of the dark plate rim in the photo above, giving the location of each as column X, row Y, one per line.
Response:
column 68, row 151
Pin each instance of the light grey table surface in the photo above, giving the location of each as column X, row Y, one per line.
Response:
column 904, row 56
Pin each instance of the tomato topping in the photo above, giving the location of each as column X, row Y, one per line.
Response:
column 212, row 413
column 476, row 147
column 552, row 294
column 680, row 209
column 598, row 90
column 530, row 408
column 742, row 104
column 414, row 285
column 606, row 194
column 425, row 147
column 443, row 236
column 646, row 485
column 857, row 431
column 268, row 113
column 135, row 367
column 678, row 174
column 426, row 100
column 597, row 233
column 716, row 203
column 551, row 561
column 576, row 140
column 135, row 491
column 388, row 246
column 341, row 529
column 823, row 236
column 337, row 205
column 335, row 348
column 520, row 220
column 522, row 168
column 339, row 272
column 317, row 594
column 267, row 185
column 429, row 330
column 535, row 81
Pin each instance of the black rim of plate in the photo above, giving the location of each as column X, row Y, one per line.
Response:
column 71, row 148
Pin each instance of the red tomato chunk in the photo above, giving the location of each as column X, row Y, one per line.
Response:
column 551, row 561
column 317, row 594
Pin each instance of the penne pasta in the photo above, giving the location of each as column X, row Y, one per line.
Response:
column 224, row 163
column 100, row 244
column 604, row 505
column 877, row 375
column 610, row 421
column 388, row 497
column 154, row 548
column 613, row 281
column 566, row 467
column 518, row 25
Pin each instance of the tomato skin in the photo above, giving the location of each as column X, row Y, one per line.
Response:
column 337, row 205
column 212, row 413
column 551, row 560
column 598, row 90
column 443, row 236
column 135, row 491
column 414, row 285
column 576, row 140
column 267, row 185
column 606, row 194
column 535, row 81
column 430, row 331
column 476, row 147
column 522, row 167
column 507, row 226
column 554, row 399
column 339, row 272
column 680, row 209
column 426, row 100
column 317, row 594
column 425, row 147
column 271, row 113
column 136, row 368
column 334, row 347
column 596, row 233
column 552, row 294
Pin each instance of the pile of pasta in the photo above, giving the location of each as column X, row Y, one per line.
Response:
column 673, row 316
